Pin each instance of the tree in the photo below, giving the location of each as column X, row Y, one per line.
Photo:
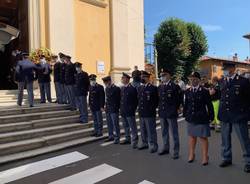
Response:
column 172, row 43
column 179, row 46
column 198, row 47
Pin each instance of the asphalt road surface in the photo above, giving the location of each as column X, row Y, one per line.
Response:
column 119, row 164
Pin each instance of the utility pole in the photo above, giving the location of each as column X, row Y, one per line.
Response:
column 248, row 37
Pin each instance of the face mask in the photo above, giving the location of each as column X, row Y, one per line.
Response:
column 92, row 83
column 78, row 70
column 195, row 82
column 143, row 81
column 43, row 61
column 226, row 73
column 107, row 85
column 164, row 79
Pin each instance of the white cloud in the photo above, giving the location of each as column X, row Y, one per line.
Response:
column 211, row 28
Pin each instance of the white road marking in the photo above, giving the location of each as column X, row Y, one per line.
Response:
column 123, row 138
column 40, row 166
column 146, row 182
column 90, row 176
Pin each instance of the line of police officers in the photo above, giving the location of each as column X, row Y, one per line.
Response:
column 73, row 85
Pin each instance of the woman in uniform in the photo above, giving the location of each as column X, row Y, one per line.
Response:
column 198, row 112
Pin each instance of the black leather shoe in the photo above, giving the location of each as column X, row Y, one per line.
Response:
column 93, row 135
column 135, row 146
column 125, row 142
column 142, row 147
column 225, row 163
column 153, row 150
column 191, row 160
column 247, row 168
column 163, row 152
column 109, row 140
column 205, row 163
column 175, row 157
column 99, row 135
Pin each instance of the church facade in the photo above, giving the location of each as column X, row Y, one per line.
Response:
column 106, row 36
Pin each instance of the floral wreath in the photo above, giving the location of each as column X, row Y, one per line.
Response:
column 36, row 54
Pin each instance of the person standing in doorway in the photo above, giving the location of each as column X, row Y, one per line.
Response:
column 25, row 70
column 44, row 71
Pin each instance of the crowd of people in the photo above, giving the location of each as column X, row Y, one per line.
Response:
column 224, row 102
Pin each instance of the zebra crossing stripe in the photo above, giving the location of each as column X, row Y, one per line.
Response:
column 146, row 182
column 90, row 176
column 40, row 166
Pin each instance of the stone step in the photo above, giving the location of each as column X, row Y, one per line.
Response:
column 41, row 123
column 35, row 116
column 47, row 149
column 26, row 110
column 39, row 132
column 6, row 150
column 15, row 92
column 11, row 96
column 24, row 145
column 25, row 100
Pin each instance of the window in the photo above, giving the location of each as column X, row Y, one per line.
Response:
column 215, row 69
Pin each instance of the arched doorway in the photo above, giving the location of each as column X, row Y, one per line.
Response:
column 13, row 13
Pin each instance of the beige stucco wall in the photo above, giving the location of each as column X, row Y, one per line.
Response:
column 127, row 30
column 92, row 35
column 61, row 26
column 91, row 31
column 136, row 33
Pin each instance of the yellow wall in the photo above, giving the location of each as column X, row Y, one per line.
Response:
column 92, row 35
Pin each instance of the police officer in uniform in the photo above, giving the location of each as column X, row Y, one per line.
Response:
column 44, row 71
column 198, row 112
column 96, row 103
column 113, row 97
column 57, row 79
column 136, row 75
column 170, row 99
column 128, row 107
column 25, row 70
column 234, row 113
column 148, row 102
column 81, row 92
column 70, row 72
column 65, row 98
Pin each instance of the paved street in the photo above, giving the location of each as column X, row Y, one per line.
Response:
column 108, row 163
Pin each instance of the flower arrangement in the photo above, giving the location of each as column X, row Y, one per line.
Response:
column 36, row 54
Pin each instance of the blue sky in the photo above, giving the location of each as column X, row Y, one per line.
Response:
column 224, row 22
